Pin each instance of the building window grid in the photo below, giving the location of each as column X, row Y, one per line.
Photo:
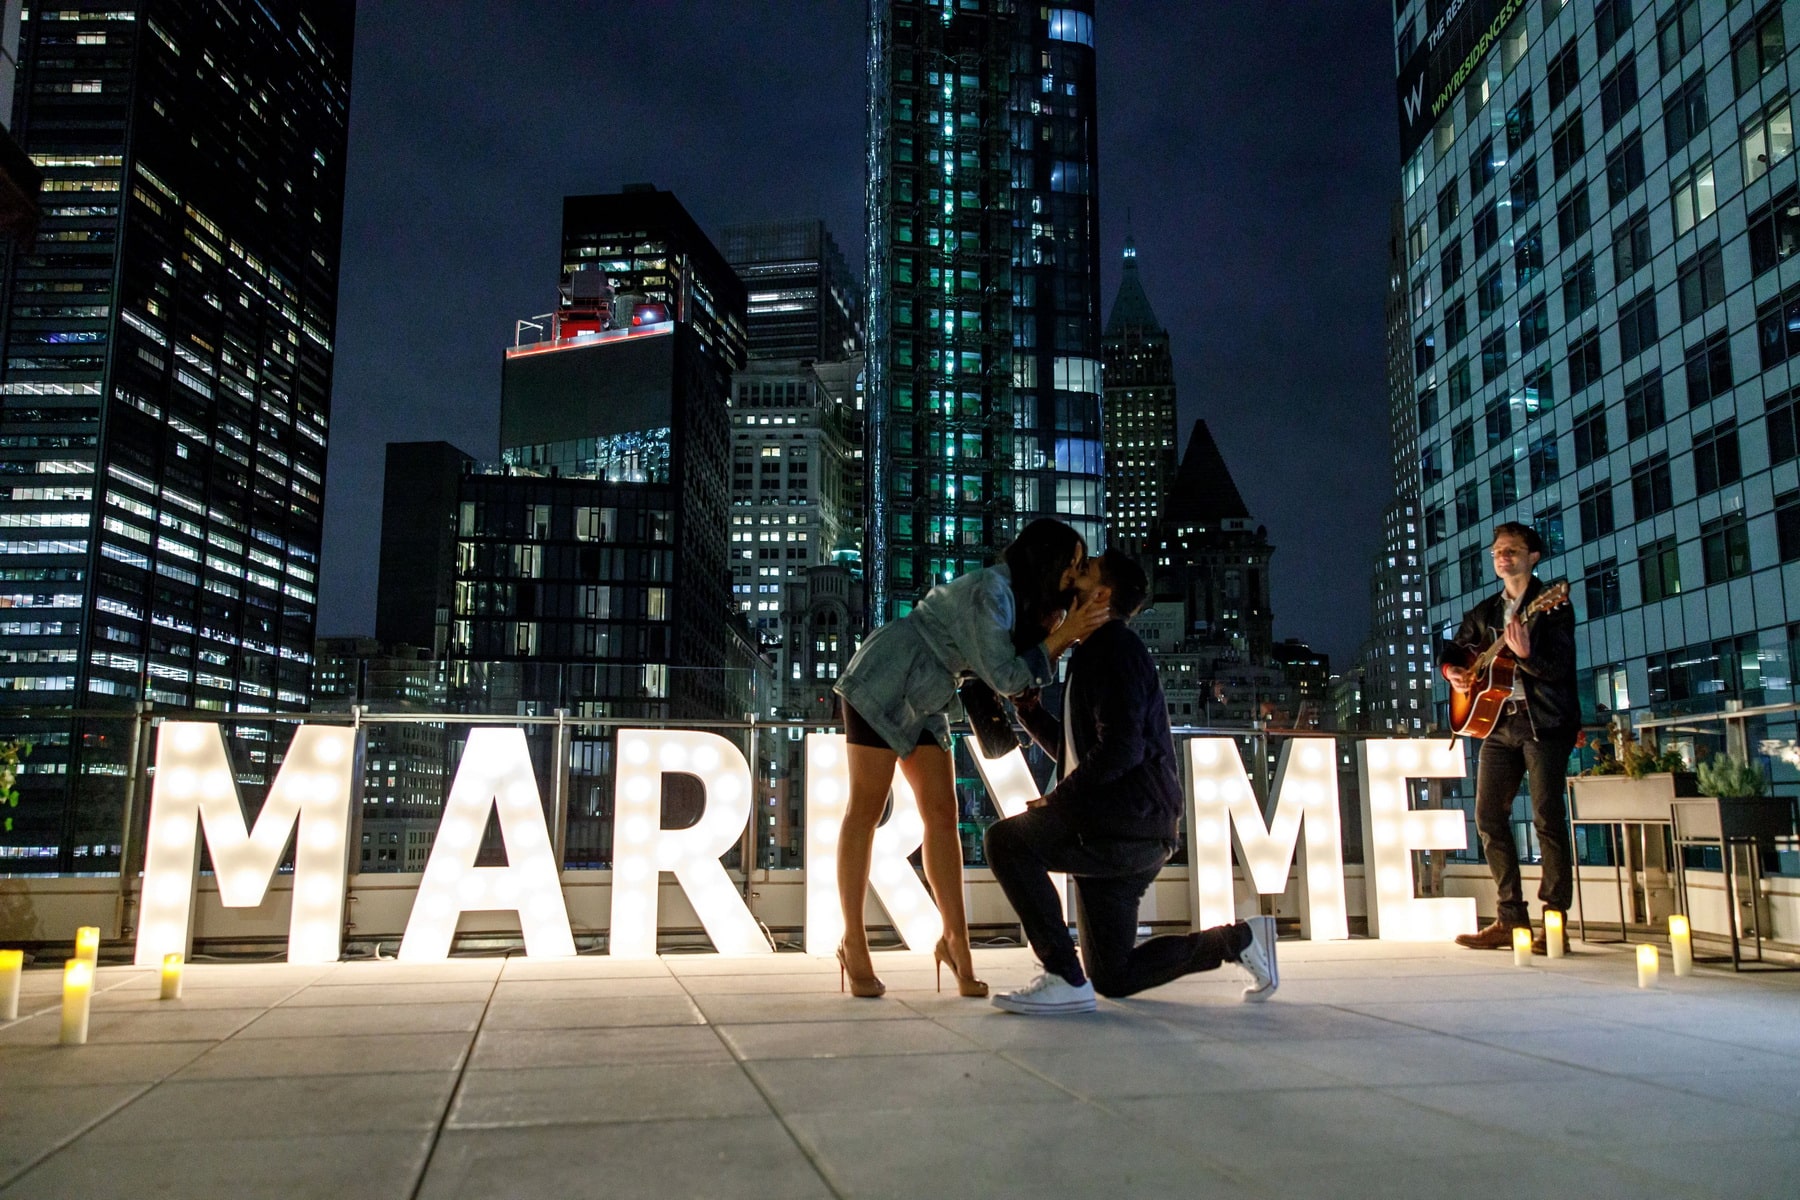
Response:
column 1708, row 364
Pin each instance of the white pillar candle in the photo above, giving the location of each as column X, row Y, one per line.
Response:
column 78, row 990
column 12, row 964
column 1647, row 966
column 1681, row 946
column 1553, row 933
column 87, row 944
column 171, row 977
column 1522, row 946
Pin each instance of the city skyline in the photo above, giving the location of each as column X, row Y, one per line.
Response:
column 425, row 304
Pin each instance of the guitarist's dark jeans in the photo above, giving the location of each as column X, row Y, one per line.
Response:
column 1509, row 755
column 1109, row 879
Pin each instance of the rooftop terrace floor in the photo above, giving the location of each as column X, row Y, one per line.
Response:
column 1380, row 1069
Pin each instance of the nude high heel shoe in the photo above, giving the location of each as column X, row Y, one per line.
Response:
column 868, row 989
column 966, row 985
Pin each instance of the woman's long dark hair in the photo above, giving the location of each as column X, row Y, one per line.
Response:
column 1037, row 558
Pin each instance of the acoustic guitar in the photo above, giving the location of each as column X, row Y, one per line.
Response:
column 1473, row 713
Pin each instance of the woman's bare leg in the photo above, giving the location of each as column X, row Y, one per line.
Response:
column 928, row 770
column 871, row 776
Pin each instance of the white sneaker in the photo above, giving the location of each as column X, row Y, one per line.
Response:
column 1047, row 995
column 1258, row 959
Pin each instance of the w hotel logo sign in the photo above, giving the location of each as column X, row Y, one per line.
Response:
column 195, row 794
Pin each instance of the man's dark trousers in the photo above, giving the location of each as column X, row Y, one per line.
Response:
column 1109, row 877
column 1509, row 755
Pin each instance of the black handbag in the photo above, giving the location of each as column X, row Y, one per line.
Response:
column 988, row 718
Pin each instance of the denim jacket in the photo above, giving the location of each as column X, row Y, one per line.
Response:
column 903, row 678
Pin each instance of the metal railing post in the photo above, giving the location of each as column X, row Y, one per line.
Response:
column 134, row 777
column 559, row 790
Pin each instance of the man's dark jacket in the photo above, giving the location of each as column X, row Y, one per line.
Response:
column 1127, row 785
column 1548, row 675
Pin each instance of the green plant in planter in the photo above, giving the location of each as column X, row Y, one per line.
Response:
column 1730, row 778
column 10, row 754
column 1633, row 756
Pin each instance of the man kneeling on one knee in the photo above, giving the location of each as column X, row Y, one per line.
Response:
column 1111, row 822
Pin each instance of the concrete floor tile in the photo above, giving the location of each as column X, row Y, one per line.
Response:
column 1378, row 1062
column 186, row 1110
column 762, row 964
column 987, row 1026
column 1776, row 1089
column 237, row 974
column 825, row 1039
column 473, row 991
column 591, row 1012
column 1601, row 1111
column 1462, row 1017
column 751, row 1158
column 807, row 983
column 383, row 972
column 904, row 1081
column 147, row 999
column 76, row 1066
column 761, row 1007
column 391, row 1053
column 1030, row 1151
column 378, row 1166
column 1325, row 1125
column 350, row 1020
column 497, row 1049
column 1744, row 1169
column 574, row 988
column 35, row 1120
column 1633, row 1051
column 617, row 1092
column 1526, row 1172
column 1105, row 1072
column 585, row 966
column 167, row 1024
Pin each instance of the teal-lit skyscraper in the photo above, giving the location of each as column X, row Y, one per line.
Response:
column 983, row 308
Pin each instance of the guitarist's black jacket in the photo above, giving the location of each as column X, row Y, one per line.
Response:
column 1548, row 676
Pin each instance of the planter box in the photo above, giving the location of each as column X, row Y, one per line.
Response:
column 1620, row 798
column 1761, row 819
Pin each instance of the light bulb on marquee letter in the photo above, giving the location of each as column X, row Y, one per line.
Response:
column 494, row 775
column 1012, row 789
column 642, row 847
column 895, row 882
column 1306, row 799
column 196, row 789
column 1392, row 831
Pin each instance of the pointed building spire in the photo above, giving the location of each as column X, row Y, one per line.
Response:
column 1131, row 307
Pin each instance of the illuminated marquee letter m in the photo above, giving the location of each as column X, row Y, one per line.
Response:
column 196, row 790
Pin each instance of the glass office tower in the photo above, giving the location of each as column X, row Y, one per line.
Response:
column 983, row 312
column 1600, row 209
column 166, row 383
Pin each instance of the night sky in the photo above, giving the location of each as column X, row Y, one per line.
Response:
column 1254, row 146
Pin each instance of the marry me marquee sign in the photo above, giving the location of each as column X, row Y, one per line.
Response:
column 195, row 792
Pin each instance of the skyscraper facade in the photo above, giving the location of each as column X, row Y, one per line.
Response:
column 803, row 301
column 1397, row 662
column 1600, row 213
column 167, row 381
column 1140, row 414
column 982, row 284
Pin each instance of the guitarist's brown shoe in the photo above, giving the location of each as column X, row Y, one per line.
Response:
column 1498, row 936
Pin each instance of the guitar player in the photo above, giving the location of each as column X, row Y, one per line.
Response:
column 1532, row 737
